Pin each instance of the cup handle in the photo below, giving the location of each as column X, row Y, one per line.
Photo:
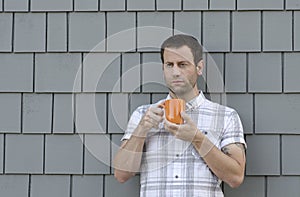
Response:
column 162, row 105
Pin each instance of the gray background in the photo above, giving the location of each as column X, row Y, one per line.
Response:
column 49, row 84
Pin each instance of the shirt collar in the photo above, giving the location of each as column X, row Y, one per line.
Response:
column 194, row 103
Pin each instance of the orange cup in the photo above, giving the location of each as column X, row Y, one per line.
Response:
column 173, row 108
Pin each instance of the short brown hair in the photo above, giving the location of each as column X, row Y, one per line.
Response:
column 180, row 40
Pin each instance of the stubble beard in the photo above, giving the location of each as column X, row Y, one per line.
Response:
column 180, row 91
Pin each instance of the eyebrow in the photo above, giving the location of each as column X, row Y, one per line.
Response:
column 167, row 62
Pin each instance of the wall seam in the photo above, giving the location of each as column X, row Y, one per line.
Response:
column 201, row 24
column 103, row 186
column 107, row 111
column 71, row 185
column 254, row 103
column 4, row 151
column 136, row 31
column 121, row 73
column 173, row 23
column 67, row 32
column 73, row 5
column 105, row 31
column 280, row 154
column 82, row 71
column 110, row 154
column 46, row 32
column 206, row 84
column 247, row 72
column 29, row 5
column 44, row 153
column 266, row 186
column 224, row 77
column 181, row 5
column 13, row 31
column 230, row 31
column 262, row 31
column 33, row 72
column 83, row 153
column 129, row 98
column 52, row 114
column 21, row 113
column 236, row 2
column 141, row 72
column 29, row 185
column 293, row 30
column 74, row 98
column 282, row 72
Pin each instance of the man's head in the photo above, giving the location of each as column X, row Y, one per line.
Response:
column 182, row 65
column 180, row 40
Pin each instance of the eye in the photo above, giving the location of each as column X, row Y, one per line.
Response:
column 169, row 65
column 183, row 64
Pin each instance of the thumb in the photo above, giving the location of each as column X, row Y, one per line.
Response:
column 185, row 116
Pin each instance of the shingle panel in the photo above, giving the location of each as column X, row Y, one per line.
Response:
column 5, row 32
column 263, row 155
column 10, row 113
column 37, row 113
column 57, row 32
column 24, row 154
column 30, row 32
column 63, row 154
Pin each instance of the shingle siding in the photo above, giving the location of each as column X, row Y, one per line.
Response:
column 73, row 71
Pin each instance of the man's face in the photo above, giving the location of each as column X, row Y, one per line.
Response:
column 180, row 72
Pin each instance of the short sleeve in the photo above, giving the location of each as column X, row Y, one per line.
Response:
column 134, row 121
column 233, row 132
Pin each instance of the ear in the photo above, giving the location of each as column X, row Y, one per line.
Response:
column 200, row 67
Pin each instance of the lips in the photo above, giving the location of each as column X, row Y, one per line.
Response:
column 177, row 81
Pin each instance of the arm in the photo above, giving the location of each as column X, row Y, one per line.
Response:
column 128, row 159
column 228, row 165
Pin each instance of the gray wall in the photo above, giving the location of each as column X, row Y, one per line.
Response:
column 58, row 128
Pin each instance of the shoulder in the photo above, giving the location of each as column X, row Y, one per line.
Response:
column 217, row 108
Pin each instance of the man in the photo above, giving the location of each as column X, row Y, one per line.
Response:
column 190, row 159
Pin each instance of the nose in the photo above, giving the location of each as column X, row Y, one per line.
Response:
column 176, row 70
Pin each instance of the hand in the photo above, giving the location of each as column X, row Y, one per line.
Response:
column 152, row 117
column 186, row 131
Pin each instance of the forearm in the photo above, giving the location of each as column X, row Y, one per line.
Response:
column 223, row 166
column 128, row 159
column 129, row 156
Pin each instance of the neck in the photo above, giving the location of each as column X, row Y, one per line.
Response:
column 187, row 96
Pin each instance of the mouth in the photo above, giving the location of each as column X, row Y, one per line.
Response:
column 177, row 82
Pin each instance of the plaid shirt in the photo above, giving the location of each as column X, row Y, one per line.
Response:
column 172, row 167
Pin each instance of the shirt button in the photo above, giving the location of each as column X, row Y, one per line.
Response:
column 176, row 176
column 177, row 155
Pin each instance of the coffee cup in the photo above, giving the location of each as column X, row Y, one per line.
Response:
column 173, row 109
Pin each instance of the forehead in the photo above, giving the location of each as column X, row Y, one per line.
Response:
column 183, row 53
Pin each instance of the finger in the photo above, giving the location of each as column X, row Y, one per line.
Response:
column 171, row 126
column 157, row 110
column 185, row 117
column 161, row 105
column 157, row 118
